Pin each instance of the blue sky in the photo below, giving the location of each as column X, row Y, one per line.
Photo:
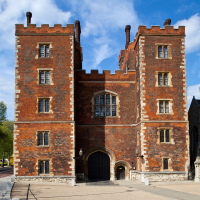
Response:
column 102, row 32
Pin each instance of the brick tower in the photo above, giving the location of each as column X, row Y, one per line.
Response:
column 130, row 125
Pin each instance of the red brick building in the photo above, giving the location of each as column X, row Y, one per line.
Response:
column 132, row 124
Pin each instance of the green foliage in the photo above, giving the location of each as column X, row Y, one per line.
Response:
column 3, row 109
column 6, row 132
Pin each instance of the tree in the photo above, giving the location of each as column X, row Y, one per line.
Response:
column 3, row 109
column 6, row 133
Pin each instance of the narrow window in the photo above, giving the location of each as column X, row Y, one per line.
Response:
column 40, row 138
column 96, row 111
column 165, row 163
column 161, row 135
column 160, row 52
column 42, row 77
column 165, row 52
column 102, row 111
column 41, row 51
column 167, row 135
column 46, row 167
column 47, row 51
column 165, row 79
column 166, row 106
column 47, row 77
column 41, row 167
column 41, row 109
column 113, row 100
column 46, row 138
column 114, row 111
column 107, row 99
column 160, row 79
column 107, row 110
column 46, row 105
column 161, row 107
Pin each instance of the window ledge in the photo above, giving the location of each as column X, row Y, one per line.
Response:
column 164, row 113
column 163, row 58
column 43, row 145
column 164, row 85
column 106, row 117
column 44, row 113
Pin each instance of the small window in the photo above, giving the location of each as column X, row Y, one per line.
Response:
column 163, row 51
column 105, row 105
column 43, row 138
column 165, row 163
column 164, row 106
column 164, row 136
column 44, row 77
column 44, row 105
column 162, row 78
column 44, row 167
column 44, row 51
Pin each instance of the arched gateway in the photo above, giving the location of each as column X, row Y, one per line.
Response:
column 99, row 166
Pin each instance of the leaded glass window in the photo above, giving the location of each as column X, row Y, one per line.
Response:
column 44, row 51
column 43, row 105
column 44, row 167
column 44, row 77
column 105, row 104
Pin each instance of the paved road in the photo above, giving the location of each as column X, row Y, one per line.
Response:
column 5, row 176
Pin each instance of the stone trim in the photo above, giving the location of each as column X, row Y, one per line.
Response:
column 37, row 138
column 158, row 176
column 171, row 135
column 169, row 78
column 38, row 50
column 50, row 105
column 104, row 150
column 71, row 88
column 25, row 122
column 107, row 82
column 127, row 167
column 50, row 166
column 169, row 164
column 169, row 51
column 17, row 93
column 51, row 75
column 47, row 34
column 170, row 107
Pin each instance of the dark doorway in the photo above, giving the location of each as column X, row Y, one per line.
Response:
column 120, row 173
column 99, row 166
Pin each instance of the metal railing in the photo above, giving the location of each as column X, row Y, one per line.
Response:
column 30, row 192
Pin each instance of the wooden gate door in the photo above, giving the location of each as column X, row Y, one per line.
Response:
column 99, row 166
column 120, row 173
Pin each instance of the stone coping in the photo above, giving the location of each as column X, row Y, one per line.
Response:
column 163, row 172
column 45, row 176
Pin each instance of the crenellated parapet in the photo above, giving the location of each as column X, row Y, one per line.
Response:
column 105, row 76
column 32, row 29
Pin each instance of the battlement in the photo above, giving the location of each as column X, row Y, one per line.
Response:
column 156, row 30
column 105, row 76
column 44, row 29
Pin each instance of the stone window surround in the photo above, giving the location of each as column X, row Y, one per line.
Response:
column 171, row 135
column 168, row 49
column 50, row 166
column 138, row 111
column 117, row 103
column 37, row 138
column 38, row 50
column 170, row 107
column 138, row 85
column 169, row 78
column 138, row 138
column 50, row 105
column 51, row 75
column 169, row 164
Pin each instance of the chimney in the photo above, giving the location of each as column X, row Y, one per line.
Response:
column 28, row 15
column 167, row 22
column 78, row 30
column 127, row 30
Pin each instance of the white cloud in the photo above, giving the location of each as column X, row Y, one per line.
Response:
column 14, row 12
column 102, row 15
column 100, row 21
column 193, row 90
column 192, row 27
